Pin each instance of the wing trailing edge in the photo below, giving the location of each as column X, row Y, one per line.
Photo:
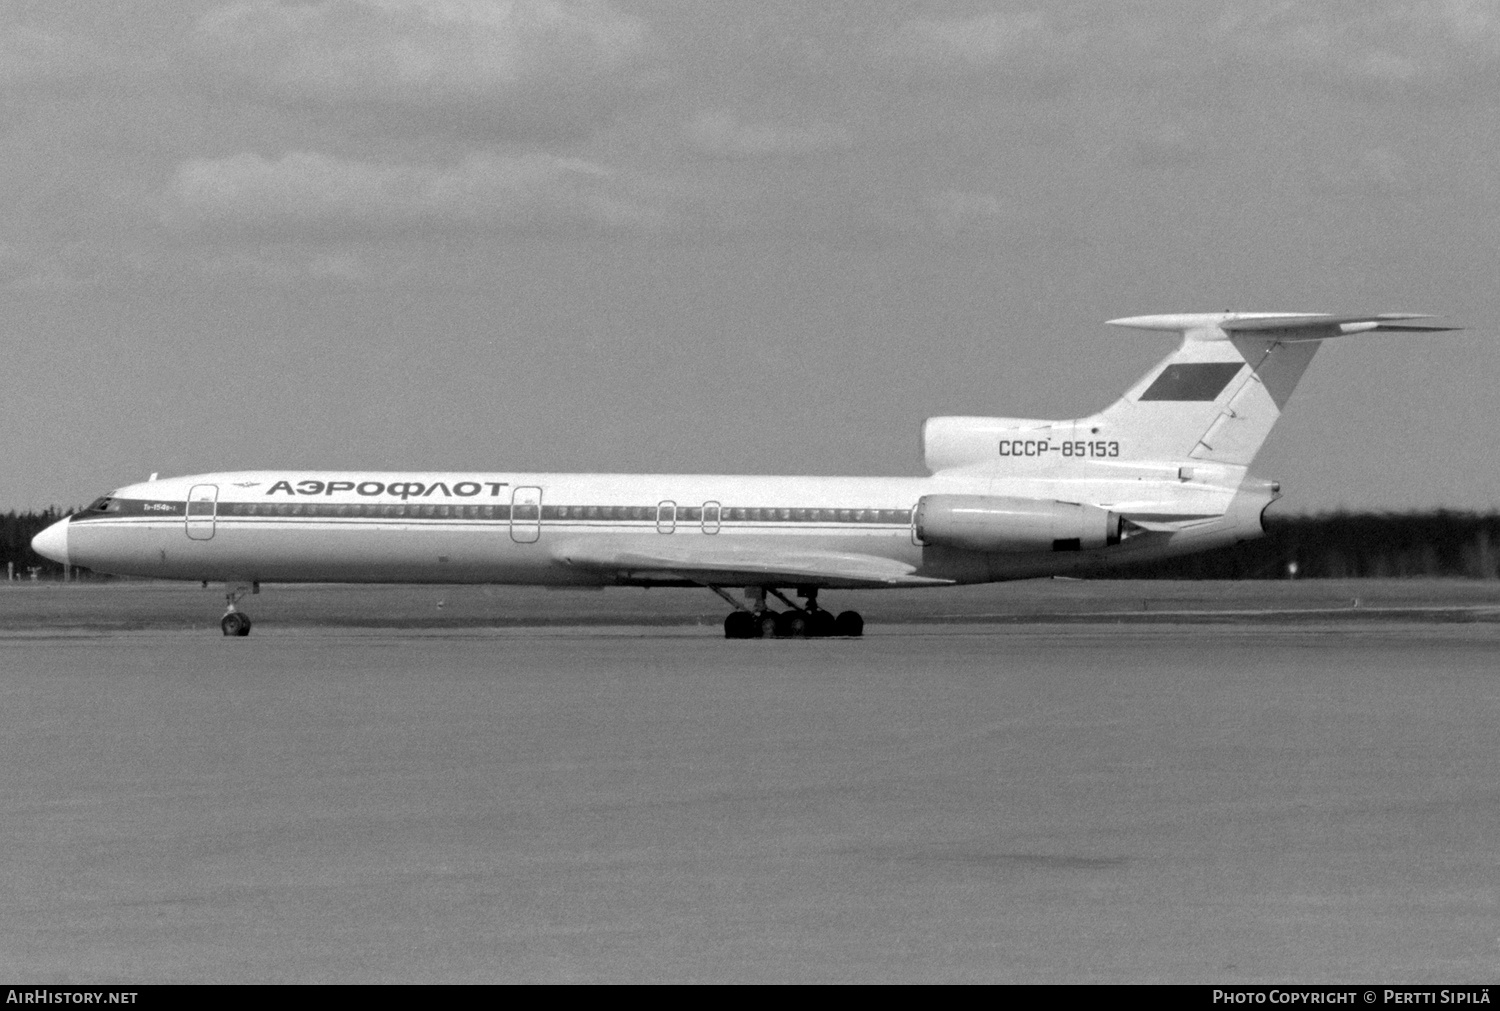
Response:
column 691, row 560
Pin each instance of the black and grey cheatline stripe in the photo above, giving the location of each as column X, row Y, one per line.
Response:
column 118, row 508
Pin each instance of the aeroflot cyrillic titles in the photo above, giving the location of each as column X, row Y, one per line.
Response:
column 403, row 488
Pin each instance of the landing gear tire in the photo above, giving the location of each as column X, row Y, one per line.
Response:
column 236, row 623
column 820, row 623
column 850, row 624
column 791, row 625
column 767, row 625
column 741, row 625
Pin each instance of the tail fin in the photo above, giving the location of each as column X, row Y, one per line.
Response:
column 1214, row 399
column 1217, row 396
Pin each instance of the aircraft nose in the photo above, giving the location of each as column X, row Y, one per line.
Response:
column 53, row 542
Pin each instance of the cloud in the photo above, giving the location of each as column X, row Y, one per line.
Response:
column 1386, row 46
column 1373, row 172
column 60, row 266
column 517, row 63
column 310, row 192
column 1157, row 144
column 12, row 262
column 951, row 213
column 956, row 211
column 1026, row 42
column 724, row 134
column 985, row 40
column 29, row 56
column 1380, row 46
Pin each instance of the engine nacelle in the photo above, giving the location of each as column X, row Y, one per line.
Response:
column 997, row 523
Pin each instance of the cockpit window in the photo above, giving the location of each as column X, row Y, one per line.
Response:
column 103, row 505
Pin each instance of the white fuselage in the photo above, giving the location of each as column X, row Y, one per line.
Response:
column 530, row 528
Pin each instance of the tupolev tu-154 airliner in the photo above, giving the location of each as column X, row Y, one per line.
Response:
column 1162, row 471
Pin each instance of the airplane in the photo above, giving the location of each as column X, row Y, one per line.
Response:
column 1163, row 471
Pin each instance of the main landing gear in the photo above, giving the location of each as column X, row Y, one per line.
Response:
column 757, row 621
column 236, row 622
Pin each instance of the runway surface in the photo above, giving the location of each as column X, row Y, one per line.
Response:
column 1214, row 802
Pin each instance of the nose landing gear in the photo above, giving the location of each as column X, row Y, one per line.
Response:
column 757, row 621
column 236, row 622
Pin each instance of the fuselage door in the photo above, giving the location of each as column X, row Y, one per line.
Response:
column 711, row 517
column 666, row 516
column 202, row 508
column 525, row 515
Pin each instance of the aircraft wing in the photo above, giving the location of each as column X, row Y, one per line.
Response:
column 703, row 560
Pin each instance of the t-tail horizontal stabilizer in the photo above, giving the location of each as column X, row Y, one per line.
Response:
column 1202, row 403
column 1296, row 326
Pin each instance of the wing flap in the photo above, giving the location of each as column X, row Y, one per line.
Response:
column 649, row 559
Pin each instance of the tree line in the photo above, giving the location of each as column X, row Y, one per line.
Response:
column 1347, row 545
column 16, row 532
column 1339, row 545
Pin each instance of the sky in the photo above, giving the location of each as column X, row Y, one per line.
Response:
column 672, row 235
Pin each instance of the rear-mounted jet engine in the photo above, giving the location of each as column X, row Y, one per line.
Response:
column 996, row 523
